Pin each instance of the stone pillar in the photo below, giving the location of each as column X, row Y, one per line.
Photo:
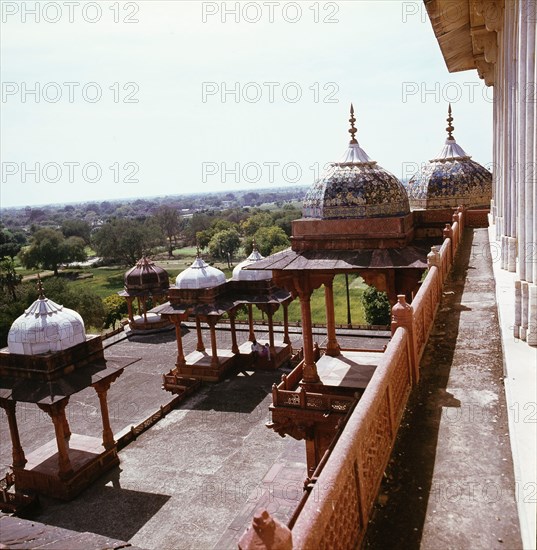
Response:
column 251, row 334
column 309, row 372
column 199, row 346
column 56, row 411
column 234, row 345
column 524, row 303
column 530, row 190
column 332, row 346
column 102, row 388
column 214, row 347
column 270, row 313
column 403, row 316
column 520, row 165
column 179, row 337
column 503, row 253
column 518, row 310
column 286, row 339
column 19, row 460
column 66, row 428
column 511, row 254
column 129, row 308
column 531, row 335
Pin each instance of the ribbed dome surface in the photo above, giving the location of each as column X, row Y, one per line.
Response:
column 200, row 275
column 145, row 275
column 240, row 274
column 355, row 187
column 45, row 327
column 451, row 179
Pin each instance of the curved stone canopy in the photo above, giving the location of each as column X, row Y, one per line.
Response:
column 145, row 275
column 240, row 274
column 45, row 327
column 451, row 179
column 355, row 187
column 199, row 275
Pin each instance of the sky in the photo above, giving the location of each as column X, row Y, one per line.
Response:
column 108, row 100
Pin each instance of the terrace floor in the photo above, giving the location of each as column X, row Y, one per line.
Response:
column 450, row 482
column 195, row 479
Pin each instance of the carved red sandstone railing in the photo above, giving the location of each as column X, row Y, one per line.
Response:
column 301, row 399
column 336, row 512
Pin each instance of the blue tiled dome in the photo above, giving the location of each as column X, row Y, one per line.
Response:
column 450, row 180
column 355, row 187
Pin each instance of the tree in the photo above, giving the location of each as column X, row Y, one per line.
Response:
column 9, row 280
column 77, row 228
column 115, row 308
column 203, row 238
column 168, row 220
column 10, row 243
column 198, row 222
column 49, row 249
column 268, row 239
column 126, row 240
column 254, row 222
column 376, row 306
column 224, row 244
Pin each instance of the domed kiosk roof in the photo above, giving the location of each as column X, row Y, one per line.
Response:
column 199, row 275
column 240, row 274
column 451, row 179
column 45, row 327
column 145, row 275
column 355, row 187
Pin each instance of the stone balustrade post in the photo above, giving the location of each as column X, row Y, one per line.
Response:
column 435, row 260
column 266, row 533
column 448, row 234
column 403, row 316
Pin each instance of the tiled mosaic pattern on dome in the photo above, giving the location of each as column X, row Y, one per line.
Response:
column 450, row 184
column 360, row 191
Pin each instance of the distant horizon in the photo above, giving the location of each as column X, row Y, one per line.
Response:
column 129, row 99
column 146, row 197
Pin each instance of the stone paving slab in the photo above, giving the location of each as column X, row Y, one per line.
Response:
column 16, row 533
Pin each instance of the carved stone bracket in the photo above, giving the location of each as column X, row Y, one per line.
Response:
column 485, row 42
column 492, row 13
column 485, row 70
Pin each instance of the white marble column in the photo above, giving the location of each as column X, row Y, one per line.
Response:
column 531, row 183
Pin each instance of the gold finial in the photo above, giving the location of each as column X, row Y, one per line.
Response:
column 198, row 253
column 40, row 288
column 352, row 130
column 450, row 128
column 254, row 244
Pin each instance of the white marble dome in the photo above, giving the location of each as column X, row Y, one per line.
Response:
column 199, row 275
column 240, row 274
column 45, row 327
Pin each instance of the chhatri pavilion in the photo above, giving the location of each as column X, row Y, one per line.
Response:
column 201, row 293
column 356, row 219
column 49, row 359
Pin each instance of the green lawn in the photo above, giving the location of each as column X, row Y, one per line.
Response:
column 105, row 281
